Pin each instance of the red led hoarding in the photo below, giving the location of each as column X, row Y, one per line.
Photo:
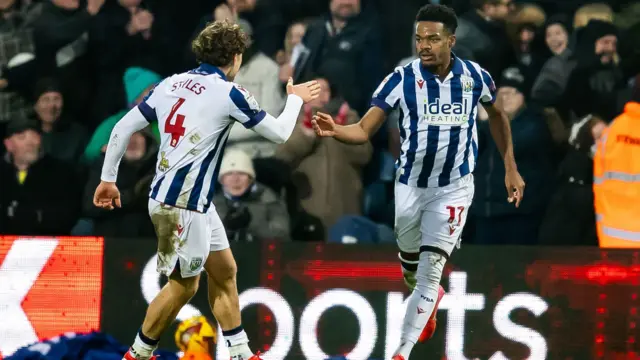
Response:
column 48, row 286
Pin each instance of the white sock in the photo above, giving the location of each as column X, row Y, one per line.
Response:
column 421, row 301
column 141, row 350
column 238, row 344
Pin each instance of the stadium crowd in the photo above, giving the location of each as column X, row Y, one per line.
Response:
column 70, row 69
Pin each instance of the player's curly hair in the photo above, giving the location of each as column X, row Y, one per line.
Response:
column 219, row 42
column 439, row 13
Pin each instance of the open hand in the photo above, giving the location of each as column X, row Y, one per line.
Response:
column 323, row 124
column 515, row 186
column 94, row 6
column 106, row 194
column 307, row 91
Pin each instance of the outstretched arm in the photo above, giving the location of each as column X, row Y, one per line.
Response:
column 360, row 132
column 500, row 128
column 245, row 109
column 385, row 98
column 107, row 195
column 132, row 122
column 501, row 133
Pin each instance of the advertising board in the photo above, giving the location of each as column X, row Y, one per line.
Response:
column 309, row 301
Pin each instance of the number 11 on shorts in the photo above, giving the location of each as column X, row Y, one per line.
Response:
column 453, row 224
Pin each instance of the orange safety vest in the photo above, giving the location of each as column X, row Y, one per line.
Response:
column 616, row 184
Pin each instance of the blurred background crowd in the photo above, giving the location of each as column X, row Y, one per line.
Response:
column 70, row 69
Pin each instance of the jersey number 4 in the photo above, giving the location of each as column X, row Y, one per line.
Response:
column 176, row 129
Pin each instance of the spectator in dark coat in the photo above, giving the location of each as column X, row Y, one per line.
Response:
column 344, row 47
column 15, row 38
column 550, row 85
column 134, row 177
column 597, row 81
column 496, row 220
column 38, row 195
column 570, row 216
column 61, row 35
column 482, row 37
column 124, row 35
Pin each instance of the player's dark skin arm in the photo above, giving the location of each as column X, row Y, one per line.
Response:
column 501, row 133
column 360, row 132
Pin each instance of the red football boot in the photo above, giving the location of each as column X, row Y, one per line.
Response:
column 430, row 328
column 398, row 357
column 256, row 356
column 130, row 356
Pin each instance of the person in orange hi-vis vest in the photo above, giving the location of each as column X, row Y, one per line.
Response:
column 616, row 183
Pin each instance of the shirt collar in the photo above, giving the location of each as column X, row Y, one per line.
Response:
column 456, row 68
column 208, row 69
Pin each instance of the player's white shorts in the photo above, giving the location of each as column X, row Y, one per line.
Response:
column 186, row 236
column 431, row 219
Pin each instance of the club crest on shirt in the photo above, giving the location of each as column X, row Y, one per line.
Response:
column 164, row 162
column 251, row 100
column 467, row 83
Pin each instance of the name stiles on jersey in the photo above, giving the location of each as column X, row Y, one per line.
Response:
column 195, row 112
column 437, row 119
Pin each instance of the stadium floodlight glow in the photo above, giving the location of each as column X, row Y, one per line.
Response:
column 325, row 301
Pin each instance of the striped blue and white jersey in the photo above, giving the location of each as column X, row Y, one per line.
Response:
column 195, row 111
column 437, row 119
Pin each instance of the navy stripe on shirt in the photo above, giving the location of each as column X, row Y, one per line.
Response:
column 197, row 187
column 148, row 112
column 216, row 170
column 154, row 191
column 176, row 185
column 454, row 135
column 477, row 90
column 254, row 115
column 409, row 88
column 492, row 88
column 381, row 99
column 433, row 135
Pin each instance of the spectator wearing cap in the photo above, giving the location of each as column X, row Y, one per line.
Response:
column 138, row 82
column 550, row 84
column 596, row 84
column 249, row 210
column 528, row 39
column 62, row 138
column 497, row 221
column 38, row 195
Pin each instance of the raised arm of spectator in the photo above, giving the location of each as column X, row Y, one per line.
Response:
column 53, row 32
